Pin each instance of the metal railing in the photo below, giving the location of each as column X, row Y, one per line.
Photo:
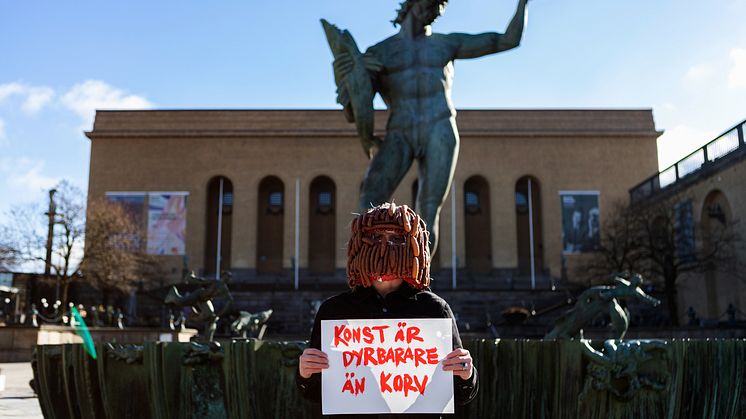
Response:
column 721, row 147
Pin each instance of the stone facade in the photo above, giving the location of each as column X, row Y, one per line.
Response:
column 606, row 151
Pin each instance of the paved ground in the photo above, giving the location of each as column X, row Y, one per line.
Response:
column 17, row 400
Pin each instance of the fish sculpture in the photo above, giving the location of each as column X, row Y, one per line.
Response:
column 354, row 84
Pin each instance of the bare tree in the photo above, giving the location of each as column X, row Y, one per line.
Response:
column 114, row 257
column 618, row 249
column 26, row 235
column 7, row 255
column 107, row 249
column 662, row 241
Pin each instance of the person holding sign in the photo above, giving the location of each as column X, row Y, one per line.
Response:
column 388, row 267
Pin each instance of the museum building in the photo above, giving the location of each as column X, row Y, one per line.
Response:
column 269, row 194
column 708, row 187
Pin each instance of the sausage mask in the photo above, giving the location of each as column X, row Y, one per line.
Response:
column 388, row 242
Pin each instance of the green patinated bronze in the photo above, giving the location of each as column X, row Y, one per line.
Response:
column 624, row 368
column 413, row 72
column 130, row 354
column 201, row 301
column 560, row 379
column 251, row 323
column 602, row 300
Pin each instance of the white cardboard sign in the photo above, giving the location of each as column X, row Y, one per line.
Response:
column 386, row 366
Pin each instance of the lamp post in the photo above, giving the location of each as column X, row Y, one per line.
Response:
column 52, row 215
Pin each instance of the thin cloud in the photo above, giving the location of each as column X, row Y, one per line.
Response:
column 3, row 136
column 25, row 174
column 34, row 98
column 37, row 98
column 10, row 89
column 698, row 73
column 85, row 98
column 737, row 76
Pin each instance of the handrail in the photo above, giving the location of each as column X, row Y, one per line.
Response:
column 725, row 144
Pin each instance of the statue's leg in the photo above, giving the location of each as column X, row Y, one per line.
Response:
column 210, row 327
column 436, row 169
column 619, row 320
column 386, row 170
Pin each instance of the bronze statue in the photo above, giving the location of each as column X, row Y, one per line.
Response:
column 624, row 368
column 254, row 323
column 200, row 301
column 413, row 72
column 600, row 300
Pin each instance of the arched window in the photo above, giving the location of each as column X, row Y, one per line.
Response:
column 528, row 225
column 477, row 226
column 270, row 225
column 219, row 224
column 715, row 219
column 322, row 226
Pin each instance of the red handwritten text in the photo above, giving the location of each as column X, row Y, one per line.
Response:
column 359, row 386
column 345, row 335
column 402, row 383
column 377, row 356
column 412, row 333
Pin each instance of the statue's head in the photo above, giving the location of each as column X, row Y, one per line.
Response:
column 388, row 242
column 426, row 10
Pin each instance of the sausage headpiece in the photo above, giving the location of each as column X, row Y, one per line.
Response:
column 388, row 242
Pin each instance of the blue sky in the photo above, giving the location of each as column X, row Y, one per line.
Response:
column 686, row 59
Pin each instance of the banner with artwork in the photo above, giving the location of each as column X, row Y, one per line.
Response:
column 133, row 204
column 167, row 223
column 580, row 222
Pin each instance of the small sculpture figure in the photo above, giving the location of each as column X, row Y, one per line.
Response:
column 624, row 368
column 95, row 321
column 119, row 318
column 34, row 316
column 598, row 300
column 251, row 323
column 200, row 301
column 171, row 321
column 174, row 322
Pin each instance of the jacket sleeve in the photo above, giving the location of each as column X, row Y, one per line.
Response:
column 310, row 387
column 464, row 391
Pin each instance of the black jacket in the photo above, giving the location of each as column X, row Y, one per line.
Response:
column 366, row 303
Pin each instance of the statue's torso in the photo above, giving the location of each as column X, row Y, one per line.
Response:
column 416, row 78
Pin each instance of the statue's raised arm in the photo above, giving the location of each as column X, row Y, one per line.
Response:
column 354, row 86
column 473, row 46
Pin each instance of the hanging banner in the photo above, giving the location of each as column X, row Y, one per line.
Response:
column 167, row 223
column 386, row 366
column 133, row 204
column 580, row 221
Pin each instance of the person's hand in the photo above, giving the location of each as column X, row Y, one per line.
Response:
column 459, row 361
column 312, row 361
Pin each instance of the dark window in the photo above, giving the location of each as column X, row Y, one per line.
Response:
column 324, row 203
column 228, row 199
column 684, row 231
column 275, row 202
column 472, row 202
